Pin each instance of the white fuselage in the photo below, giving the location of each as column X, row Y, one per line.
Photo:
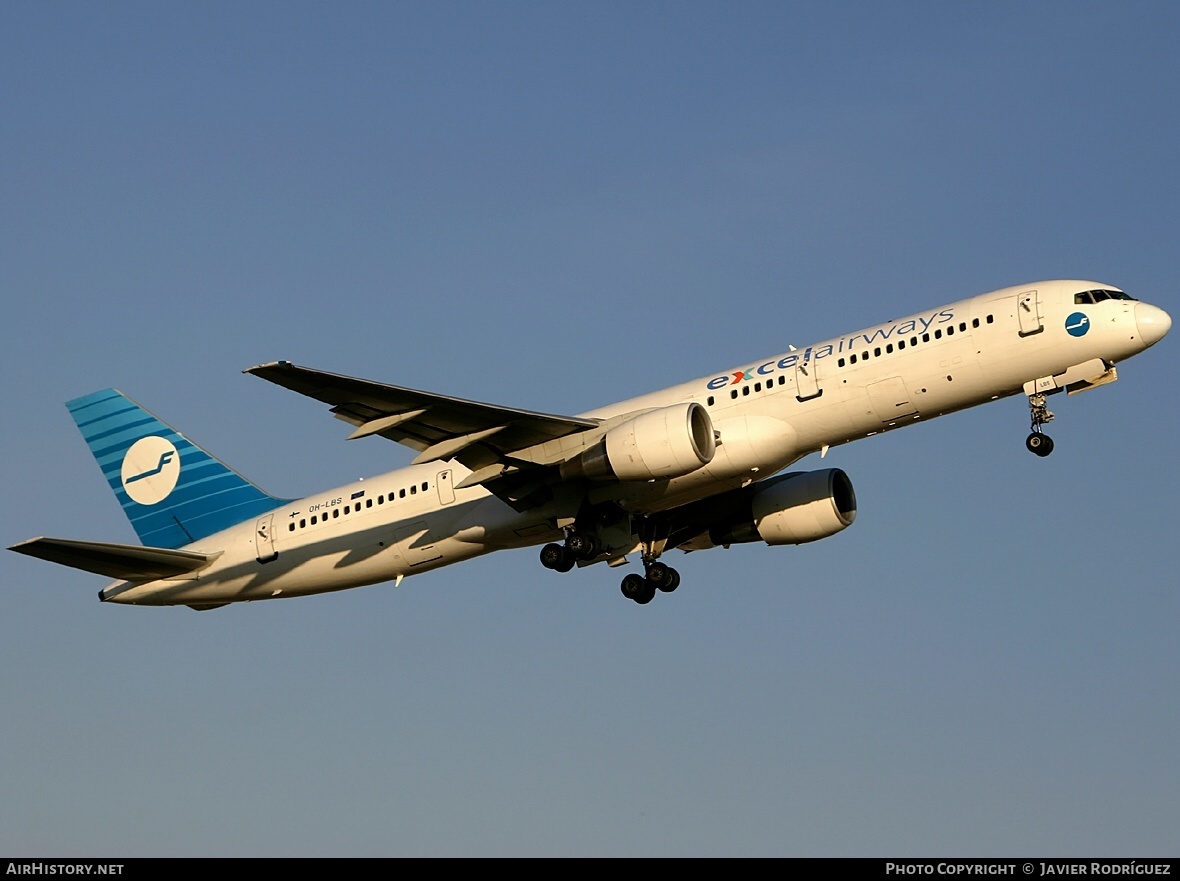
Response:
column 767, row 414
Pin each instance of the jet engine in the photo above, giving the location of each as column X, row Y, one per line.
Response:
column 789, row 510
column 664, row 443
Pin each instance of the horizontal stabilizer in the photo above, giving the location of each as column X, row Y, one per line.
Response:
column 128, row 562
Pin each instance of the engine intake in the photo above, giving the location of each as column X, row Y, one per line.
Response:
column 665, row 443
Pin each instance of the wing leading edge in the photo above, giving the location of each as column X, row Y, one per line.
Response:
column 483, row 437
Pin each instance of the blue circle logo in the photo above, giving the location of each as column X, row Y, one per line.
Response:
column 1077, row 324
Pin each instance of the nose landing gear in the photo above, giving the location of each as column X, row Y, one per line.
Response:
column 1037, row 442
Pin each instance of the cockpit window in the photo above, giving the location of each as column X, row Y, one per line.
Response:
column 1099, row 296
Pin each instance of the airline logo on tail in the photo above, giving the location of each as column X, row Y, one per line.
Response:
column 150, row 470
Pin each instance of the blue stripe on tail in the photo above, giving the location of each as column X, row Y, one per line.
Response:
column 172, row 491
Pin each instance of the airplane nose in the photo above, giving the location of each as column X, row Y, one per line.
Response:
column 1153, row 323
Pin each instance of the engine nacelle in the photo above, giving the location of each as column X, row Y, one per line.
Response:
column 791, row 510
column 665, row 443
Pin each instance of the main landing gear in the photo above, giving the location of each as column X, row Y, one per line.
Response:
column 563, row 558
column 1037, row 442
column 643, row 590
column 640, row 588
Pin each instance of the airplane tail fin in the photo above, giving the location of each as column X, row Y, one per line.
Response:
column 172, row 491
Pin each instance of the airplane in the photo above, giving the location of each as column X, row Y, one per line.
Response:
column 692, row 467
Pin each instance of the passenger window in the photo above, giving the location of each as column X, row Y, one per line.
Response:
column 291, row 527
column 938, row 334
column 852, row 358
column 302, row 523
column 839, row 363
column 413, row 490
column 963, row 326
column 401, row 493
column 877, row 352
column 975, row 322
column 900, row 345
column 889, row 349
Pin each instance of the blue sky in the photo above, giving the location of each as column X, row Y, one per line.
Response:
column 554, row 206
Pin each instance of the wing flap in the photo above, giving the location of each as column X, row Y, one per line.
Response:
column 126, row 562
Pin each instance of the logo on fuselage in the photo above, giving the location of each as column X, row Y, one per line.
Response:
column 151, row 468
column 1077, row 324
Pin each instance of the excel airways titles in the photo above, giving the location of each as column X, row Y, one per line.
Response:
column 919, row 324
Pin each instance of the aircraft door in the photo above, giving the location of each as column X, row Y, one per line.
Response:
column 264, row 539
column 806, row 380
column 446, row 487
column 1028, row 308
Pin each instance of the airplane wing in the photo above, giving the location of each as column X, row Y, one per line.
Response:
column 481, row 436
column 128, row 562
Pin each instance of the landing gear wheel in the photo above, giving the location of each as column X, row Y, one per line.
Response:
column 635, row 587
column 663, row 577
column 557, row 558
column 582, row 546
column 1040, row 444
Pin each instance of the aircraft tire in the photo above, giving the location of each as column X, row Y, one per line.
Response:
column 635, row 587
column 557, row 558
column 1040, row 444
column 662, row 577
column 582, row 546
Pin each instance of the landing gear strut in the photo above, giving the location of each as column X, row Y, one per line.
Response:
column 1037, row 442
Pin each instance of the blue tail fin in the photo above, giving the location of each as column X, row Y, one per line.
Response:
column 172, row 491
